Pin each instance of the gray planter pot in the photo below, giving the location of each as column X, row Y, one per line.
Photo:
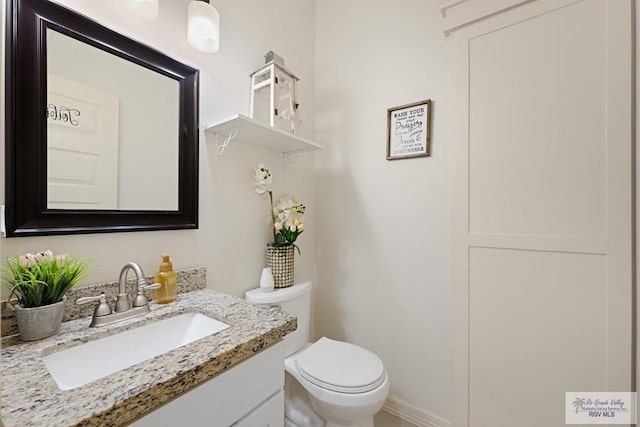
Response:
column 39, row 322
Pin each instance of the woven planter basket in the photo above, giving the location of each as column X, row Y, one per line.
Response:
column 280, row 259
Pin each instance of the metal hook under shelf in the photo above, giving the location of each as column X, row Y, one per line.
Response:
column 287, row 157
column 220, row 147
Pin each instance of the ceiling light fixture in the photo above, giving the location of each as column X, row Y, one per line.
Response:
column 203, row 26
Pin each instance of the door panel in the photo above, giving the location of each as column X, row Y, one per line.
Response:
column 543, row 122
column 542, row 228
column 537, row 328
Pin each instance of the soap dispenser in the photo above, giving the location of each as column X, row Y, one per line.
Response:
column 168, row 280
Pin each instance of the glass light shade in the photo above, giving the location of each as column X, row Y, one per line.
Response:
column 203, row 27
column 147, row 9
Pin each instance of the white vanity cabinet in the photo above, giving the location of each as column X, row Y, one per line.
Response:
column 249, row 394
column 268, row 414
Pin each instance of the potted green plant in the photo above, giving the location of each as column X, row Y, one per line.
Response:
column 287, row 224
column 40, row 283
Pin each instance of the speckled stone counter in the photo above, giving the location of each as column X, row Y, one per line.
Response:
column 30, row 396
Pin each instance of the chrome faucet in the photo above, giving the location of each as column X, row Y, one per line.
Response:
column 103, row 315
column 122, row 303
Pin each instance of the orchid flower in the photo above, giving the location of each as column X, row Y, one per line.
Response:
column 286, row 216
column 262, row 179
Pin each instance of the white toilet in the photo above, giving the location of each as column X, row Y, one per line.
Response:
column 346, row 384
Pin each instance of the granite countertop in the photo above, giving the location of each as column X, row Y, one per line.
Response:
column 30, row 396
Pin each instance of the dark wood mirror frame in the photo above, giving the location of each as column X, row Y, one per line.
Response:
column 26, row 140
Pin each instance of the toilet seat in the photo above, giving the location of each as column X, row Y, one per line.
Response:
column 341, row 367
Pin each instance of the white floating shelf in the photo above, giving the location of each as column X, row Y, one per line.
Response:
column 254, row 132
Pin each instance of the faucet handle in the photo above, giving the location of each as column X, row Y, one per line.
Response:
column 149, row 286
column 102, row 309
column 141, row 300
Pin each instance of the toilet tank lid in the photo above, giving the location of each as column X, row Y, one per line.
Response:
column 279, row 295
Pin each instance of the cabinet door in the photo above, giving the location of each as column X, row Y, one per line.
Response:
column 268, row 414
column 226, row 398
column 542, row 192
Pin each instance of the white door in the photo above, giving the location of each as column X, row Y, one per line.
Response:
column 542, row 193
column 82, row 146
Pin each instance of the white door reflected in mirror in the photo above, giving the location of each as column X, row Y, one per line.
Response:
column 82, row 146
column 112, row 131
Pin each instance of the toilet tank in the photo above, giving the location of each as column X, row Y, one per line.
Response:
column 295, row 300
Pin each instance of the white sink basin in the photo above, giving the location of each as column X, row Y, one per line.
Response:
column 80, row 365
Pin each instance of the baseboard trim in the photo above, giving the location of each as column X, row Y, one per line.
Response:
column 412, row 414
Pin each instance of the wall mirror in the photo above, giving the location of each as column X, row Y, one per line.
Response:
column 102, row 131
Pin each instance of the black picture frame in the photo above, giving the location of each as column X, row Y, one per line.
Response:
column 26, row 212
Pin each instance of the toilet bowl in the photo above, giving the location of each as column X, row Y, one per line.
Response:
column 345, row 384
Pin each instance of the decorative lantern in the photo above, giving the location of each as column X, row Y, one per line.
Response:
column 273, row 95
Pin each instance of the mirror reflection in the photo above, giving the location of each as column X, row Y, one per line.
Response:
column 112, row 131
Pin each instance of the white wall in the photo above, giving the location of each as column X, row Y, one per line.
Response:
column 233, row 227
column 383, row 226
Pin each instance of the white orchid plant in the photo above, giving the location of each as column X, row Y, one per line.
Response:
column 286, row 216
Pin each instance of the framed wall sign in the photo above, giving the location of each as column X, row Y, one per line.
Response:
column 408, row 130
